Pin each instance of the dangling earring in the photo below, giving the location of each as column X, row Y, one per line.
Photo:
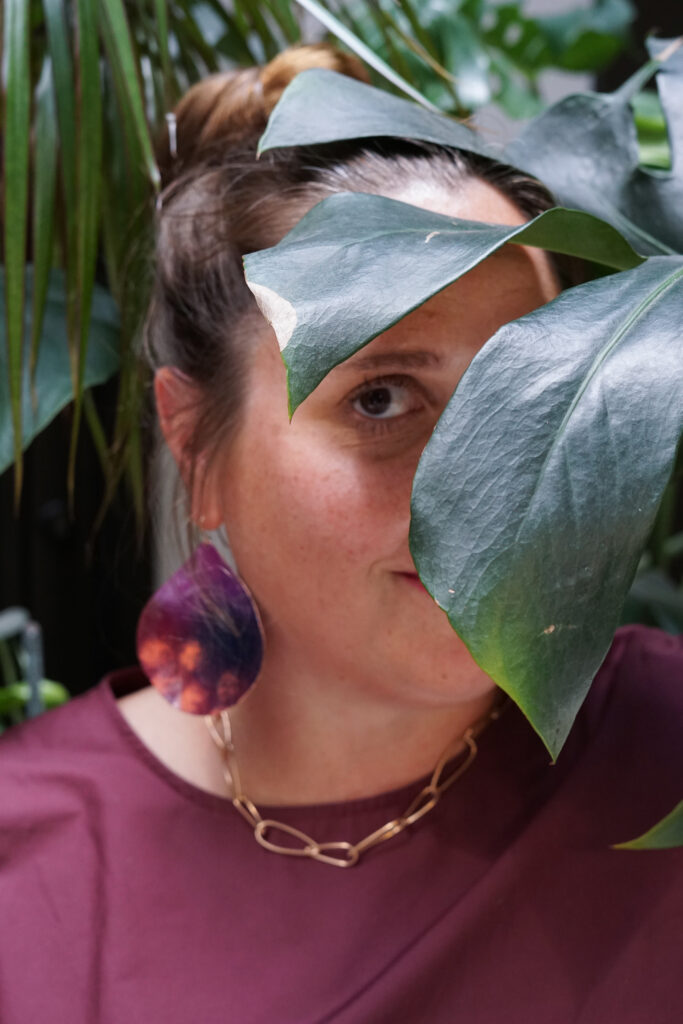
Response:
column 199, row 638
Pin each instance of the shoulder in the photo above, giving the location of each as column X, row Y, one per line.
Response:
column 76, row 740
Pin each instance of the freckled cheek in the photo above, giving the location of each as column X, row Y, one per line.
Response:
column 315, row 510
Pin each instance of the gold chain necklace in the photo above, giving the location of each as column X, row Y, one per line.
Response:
column 343, row 854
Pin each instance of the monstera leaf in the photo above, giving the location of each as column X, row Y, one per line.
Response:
column 53, row 381
column 537, row 491
column 322, row 106
column 584, row 148
column 301, row 292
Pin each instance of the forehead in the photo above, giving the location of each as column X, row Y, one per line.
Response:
column 508, row 284
column 453, row 325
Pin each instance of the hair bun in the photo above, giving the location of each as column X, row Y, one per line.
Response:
column 232, row 108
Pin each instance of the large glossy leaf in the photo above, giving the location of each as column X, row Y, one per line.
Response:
column 323, row 288
column 538, row 489
column 53, row 382
column 585, row 148
column 322, row 106
column 666, row 834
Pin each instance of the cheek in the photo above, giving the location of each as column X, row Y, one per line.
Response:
column 305, row 513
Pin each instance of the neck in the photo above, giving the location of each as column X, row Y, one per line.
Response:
column 300, row 739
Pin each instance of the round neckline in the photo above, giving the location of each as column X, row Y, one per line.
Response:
column 390, row 799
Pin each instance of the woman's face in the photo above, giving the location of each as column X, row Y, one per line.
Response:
column 317, row 510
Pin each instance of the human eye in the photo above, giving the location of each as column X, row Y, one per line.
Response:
column 387, row 398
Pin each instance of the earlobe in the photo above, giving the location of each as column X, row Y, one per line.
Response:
column 178, row 401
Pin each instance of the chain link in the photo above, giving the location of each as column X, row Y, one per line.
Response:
column 342, row 854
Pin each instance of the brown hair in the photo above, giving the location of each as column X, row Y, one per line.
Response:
column 219, row 203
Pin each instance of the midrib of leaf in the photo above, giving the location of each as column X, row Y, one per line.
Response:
column 597, row 363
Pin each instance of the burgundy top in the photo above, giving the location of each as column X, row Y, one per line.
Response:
column 129, row 896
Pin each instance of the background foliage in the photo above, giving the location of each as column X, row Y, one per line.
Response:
column 86, row 86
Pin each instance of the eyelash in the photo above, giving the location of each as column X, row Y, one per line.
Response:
column 377, row 426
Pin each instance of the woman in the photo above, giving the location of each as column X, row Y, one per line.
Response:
column 131, row 888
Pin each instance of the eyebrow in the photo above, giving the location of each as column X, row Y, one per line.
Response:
column 417, row 358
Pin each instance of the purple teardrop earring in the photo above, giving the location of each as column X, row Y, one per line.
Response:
column 199, row 638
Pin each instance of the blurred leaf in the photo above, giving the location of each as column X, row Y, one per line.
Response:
column 17, row 83
column 305, row 297
column 15, row 697
column 65, row 99
column 161, row 18
column 663, row 836
column 653, row 141
column 89, row 154
column 357, row 46
column 491, row 49
column 655, row 599
column 282, row 12
column 587, row 38
column 120, row 52
column 44, row 187
column 53, row 378
column 537, row 491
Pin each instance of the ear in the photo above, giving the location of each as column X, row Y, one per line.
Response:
column 178, row 401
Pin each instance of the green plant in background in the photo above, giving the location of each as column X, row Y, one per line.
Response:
column 24, row 692
column 86, row 85
column 465, row 54
column 540, row 486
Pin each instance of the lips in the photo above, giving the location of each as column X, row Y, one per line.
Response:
column 413, row 579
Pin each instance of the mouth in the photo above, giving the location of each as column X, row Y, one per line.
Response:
column 413, row 579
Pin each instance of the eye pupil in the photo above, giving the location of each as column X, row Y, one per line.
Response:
column 376, row 401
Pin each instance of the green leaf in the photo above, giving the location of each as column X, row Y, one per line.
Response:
column 323, row 287
column 65, row 96
column 585, row 149
column 16, row 696
column 539, row 487
column 653, row 141
column 161, row 18
column 16, row 68
column 666, row 834
column 323, row 106
column 44, row 187
column 89, row 155
column 53, row 379
column 586, row 39
column 357, row 46
column 120, row 52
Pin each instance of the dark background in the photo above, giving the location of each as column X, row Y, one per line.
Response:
column 87, row 593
